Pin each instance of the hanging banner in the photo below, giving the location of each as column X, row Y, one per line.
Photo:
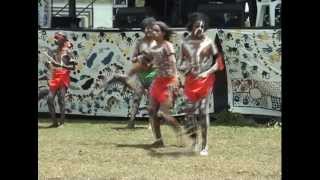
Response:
column 253, row 62
column 100, row 54
column 252, row 58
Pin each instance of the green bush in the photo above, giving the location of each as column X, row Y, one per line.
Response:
column 228, row 118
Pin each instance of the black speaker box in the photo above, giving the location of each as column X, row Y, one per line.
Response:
column 223, row 15
column 130, row 17
column 65, row 22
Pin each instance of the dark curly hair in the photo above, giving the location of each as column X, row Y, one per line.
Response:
column 61, row 38
column 196, row 16
column 147, row 21
column 164, row 28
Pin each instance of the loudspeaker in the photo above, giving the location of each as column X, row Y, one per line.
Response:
column 223, row 15
column 65, row 22
column 130, row 17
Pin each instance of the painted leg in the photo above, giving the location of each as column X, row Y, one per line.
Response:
column 153, row 110
column 134, row 109
column 62, row 104
column 51, row 108
column 205, row 123
column 165, row 114
column 191, row 124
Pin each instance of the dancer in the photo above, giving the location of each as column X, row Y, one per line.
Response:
column 198, row 54
column 145, row 72
column 142, row 73
column 164, row 87
column 60, row 65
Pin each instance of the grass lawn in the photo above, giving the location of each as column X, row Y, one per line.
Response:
column 97, row 150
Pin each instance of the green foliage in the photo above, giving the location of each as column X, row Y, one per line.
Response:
column 233, row 119
column 236, row 119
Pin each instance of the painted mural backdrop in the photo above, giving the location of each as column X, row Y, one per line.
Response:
column 253, row 62
column 101, row 55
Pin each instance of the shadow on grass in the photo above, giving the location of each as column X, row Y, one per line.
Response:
column 247, row 122
column 175, row 154
column 137, row 146
column 44, row 127
column 139, row 124
column 130, row 129
column 223, row 118
column 238, row 123
column 226, row 118
column 159, row 151
column 47, row 126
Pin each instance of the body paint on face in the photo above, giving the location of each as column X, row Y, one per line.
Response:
column 198, row 31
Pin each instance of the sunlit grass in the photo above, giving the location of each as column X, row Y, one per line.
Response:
column 107, row 150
